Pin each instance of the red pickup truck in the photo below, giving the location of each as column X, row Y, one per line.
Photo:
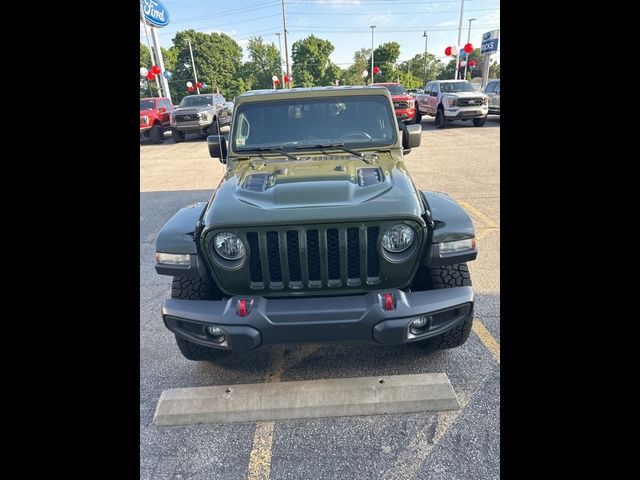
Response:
column 403, row 103
column 155, row 115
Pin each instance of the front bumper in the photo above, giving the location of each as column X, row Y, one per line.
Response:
column 406, row 114
column 311, row 320
column 144, row 130
column 466, row 112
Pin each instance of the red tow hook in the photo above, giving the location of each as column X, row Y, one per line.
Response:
column 388, row 301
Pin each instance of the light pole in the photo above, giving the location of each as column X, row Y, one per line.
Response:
column 193, row 64
column 466, row 64
column 426, row 38
column 372, row 27
column 286, row 45
column 459, row 38
column 280, row 48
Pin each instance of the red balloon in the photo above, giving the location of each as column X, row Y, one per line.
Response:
column 286, row 79
column 472, row 63
column 376, row 70
column 151, row 76
column 191, row 89
column 276, row 81
column 155, row 69
column 199, row 85
column 447, row 51
column 468, row 48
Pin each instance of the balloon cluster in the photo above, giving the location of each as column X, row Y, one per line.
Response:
column 200, row 86
column 468, row 48
column 154, row 72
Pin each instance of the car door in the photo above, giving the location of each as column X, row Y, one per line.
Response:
column 223, row 111
column 424, row 98
column 432, row 100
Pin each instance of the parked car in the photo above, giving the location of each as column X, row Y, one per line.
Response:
column 403, row 103
column 317, row 233
column 413, row 91
column 200, row 114
column 492, row 90
column 452, row 100
column 155, row 119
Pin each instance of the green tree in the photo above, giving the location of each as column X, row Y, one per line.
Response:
column 217, row 58
column 263, row 64
column 170, row 58
column 311, row 64
column 353, row 74
column 147, row 88
column 448, row 72
column 416, row 67
column 385, row 57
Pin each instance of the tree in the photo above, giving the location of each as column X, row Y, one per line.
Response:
column 385, row 57
column 263, row 64
column 147, row 88
column 311, row 64
column 353, row 74
column 217, row 58
column 170, row 58
column 414, row 70
column 448, row 72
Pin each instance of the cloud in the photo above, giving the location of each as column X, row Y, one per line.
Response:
column 448, row 23
column 338, row 4
column 377, row 20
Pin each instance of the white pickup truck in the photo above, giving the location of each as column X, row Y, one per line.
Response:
column 452, row 100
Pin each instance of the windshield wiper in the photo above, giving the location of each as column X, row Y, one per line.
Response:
column 333, row 145
column 271, row 149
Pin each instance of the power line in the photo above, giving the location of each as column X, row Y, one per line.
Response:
column 224, row 13
column 418, row 14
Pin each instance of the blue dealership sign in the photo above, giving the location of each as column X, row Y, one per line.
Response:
column 155, row 13
column 489, row 42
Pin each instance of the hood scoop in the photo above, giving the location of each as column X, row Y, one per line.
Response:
column 256, row 182
column 369, row 176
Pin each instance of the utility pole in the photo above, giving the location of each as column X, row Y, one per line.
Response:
column 286, row 45
column 193, row 64
column 459, row 38
column 280, row 49
column 467, row 56
column 426, row 38
column 372, row 27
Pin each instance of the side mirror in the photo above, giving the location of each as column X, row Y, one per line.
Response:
column 411, row 137
column 433, row 94
column 498, row 91
column 162, row 110
column 217, row 147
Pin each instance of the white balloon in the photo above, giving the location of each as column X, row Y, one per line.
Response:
column 462, row 63
column 365, row 73
column 143, row 71
column 189, row 84
column 454, row 50
column 274, row 78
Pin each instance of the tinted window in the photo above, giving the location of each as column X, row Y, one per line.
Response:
column 147, row 104
column 434, row 88
column 491, row 86
column 448, row 87
column 352, row 121
column 197, row 101
column 396, row 89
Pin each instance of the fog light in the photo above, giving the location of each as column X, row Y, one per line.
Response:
column 216, row 333
column 419, row 325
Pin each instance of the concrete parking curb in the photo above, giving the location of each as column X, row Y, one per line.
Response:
column 306, row 399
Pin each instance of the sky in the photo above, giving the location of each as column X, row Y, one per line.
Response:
column 345, row 23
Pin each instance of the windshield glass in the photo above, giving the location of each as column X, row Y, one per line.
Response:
column 147, row 104
column 456, row 87
column 290, row 124
column 197, row 101
column 396, row 89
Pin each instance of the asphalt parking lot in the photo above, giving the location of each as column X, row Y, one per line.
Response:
column 460, row 160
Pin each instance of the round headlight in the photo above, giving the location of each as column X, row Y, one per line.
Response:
column 398, row 238
column 229, row 246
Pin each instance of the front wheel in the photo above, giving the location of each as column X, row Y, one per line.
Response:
column 156, row 134
column 450, row 276
column 418, row 117
column 440, row 118
column 478, row 122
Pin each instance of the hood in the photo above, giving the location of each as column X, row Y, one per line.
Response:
column 401, row 98
column 466, row 94
column 148, row 113
column 190, row 110
column 317, row 188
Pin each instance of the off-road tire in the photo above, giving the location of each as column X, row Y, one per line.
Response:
column 450, row 276
column 177, row 135
column 418, row 118
column 479, row 122
column 156, row 134
column 441, row 120
column 213, row 128
column 195, row 288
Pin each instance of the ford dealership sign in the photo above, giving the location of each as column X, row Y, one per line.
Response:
column 155, row 13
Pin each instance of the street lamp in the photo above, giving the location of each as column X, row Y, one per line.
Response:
column 426, row 38
column 372, row 27
column 467, row 56
column 280, row 49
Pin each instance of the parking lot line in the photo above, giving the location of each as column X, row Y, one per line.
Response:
column 260, row 457
column 478, row 214
column 487, row 339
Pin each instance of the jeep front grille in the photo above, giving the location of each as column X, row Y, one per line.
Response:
column 469, row 102
column 291, row 258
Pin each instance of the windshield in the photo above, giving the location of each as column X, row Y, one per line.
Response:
column 456, row 87
column 290, row 124
column 197, row 101
column 147, row 104
column 396, row 89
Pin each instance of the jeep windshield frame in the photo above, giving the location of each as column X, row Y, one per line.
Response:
column 352, row 121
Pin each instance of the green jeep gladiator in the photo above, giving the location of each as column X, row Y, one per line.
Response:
column 317, row 233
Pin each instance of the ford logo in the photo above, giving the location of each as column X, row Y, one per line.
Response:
column 471, row 102
column 155, row 13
